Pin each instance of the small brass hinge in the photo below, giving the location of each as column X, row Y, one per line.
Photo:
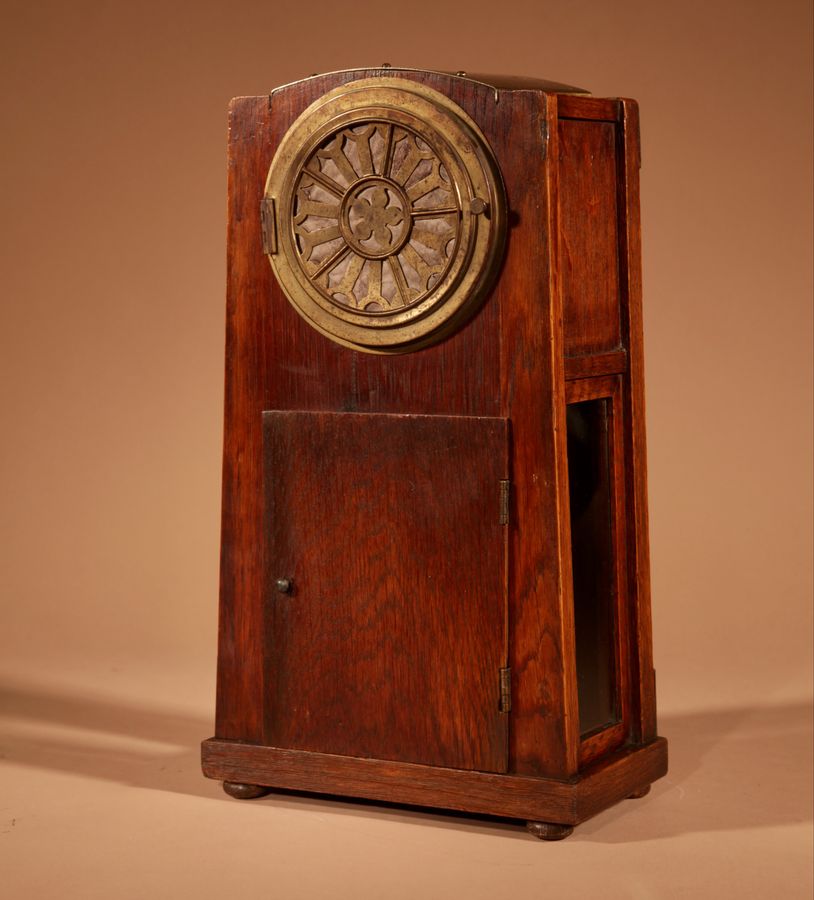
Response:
column 544, row 130
column 268, row 225
column 504, row 502
column 505, row 690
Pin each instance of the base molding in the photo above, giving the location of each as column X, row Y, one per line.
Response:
column 625, row 773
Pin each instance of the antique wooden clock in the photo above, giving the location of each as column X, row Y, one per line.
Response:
column 434, row 573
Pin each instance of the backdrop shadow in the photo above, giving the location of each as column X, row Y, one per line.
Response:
column 729, row 769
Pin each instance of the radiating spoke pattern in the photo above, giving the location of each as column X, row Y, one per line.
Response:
column 376, row 218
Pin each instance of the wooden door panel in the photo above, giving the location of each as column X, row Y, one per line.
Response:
column 589, row 236
column 390, row 641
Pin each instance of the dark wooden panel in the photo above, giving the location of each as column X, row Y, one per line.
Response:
column 643, row 675
column 514, row 796
column 532, row 396
column 240, row 632
column 589, row 236
column 391, row 641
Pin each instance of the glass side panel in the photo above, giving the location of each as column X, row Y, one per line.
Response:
column 590, row 486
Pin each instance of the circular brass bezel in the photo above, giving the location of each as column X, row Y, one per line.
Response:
column 473, row 175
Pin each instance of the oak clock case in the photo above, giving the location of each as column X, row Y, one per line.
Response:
column 434, row 559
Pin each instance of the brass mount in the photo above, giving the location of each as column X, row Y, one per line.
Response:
column 389, row 215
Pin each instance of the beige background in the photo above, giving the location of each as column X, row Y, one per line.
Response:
column 113, row 168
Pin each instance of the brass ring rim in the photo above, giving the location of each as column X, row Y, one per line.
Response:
column 417, row 310
column 456, row 141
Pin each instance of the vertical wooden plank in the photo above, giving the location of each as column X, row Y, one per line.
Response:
column 557, row 293
column 533, row 397
column 240, row 647
column 563, row 523
column 643, row 677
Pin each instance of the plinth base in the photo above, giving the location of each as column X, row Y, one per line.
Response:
column 539, row 801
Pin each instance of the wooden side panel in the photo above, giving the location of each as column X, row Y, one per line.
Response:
column 643, row 676
column 533, row 398
column 238, row 715
column 589, row 240
column 390, row 638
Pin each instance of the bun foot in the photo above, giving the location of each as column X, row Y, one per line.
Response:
column 642, row 792
column 549, row 831
column 245, row 791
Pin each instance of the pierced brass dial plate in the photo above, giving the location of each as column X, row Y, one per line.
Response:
column 389, row 215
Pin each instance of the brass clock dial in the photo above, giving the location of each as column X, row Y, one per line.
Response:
column 388, row 215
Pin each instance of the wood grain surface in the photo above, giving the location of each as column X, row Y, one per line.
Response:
column 515, row 796
column 532, row 387
column 390, row 638
column 643, row 674
column 589, row 243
